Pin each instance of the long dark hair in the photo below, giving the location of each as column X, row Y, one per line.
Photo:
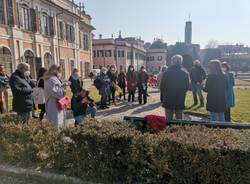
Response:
column 214, row 67
column 41, row 72
column 130, row 66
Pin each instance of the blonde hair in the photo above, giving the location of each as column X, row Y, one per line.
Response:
column 53, row 70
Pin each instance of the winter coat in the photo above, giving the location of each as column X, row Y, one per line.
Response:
column 54, row 91
column 22, row 93
column 76, row 84
column 216, row 87
column 105, row 80
column 174, row 85
column 230, row 90
column 131, row 81
column 4, row 82
column 142, row 80
column 197, row 74
column 78, row 108
column 122, row 79
column 159, row 78
column 112, row 77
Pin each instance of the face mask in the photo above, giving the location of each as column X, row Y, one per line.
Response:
column 131, row 69
column 76, row 74
column 144, row 70
column 26, row 73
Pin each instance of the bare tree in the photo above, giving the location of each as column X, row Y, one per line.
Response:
column 212, row 44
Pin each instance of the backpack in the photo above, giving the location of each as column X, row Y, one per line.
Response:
column 98, row 83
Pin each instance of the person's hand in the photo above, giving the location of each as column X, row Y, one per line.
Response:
column 84, row 100
column 67, row 83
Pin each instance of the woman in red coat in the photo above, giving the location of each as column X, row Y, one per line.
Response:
column 131, row 83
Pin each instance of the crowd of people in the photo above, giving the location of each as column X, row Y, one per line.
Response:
column 109, row 81
column 218, row 84
column 48, row 91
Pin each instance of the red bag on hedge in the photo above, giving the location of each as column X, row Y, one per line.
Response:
column 157, row 123
column 63, row 103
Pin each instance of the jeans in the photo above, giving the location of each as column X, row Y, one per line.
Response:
column 104, row 99
column 142, row 93
column 112, row 95
column 197, row 89
column 218, row 116
column 228, row 115
column 131, row 94
column 90, row 111
column 170, row 114
column 25, row 116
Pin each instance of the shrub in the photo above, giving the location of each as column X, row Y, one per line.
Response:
column 113, row 152
column 31, row 144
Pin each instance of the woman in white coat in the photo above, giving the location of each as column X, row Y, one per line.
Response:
column 54, row 90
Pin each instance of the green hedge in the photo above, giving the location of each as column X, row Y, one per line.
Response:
column 113, row 152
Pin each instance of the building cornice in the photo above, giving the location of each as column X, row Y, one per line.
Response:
column 63, row 10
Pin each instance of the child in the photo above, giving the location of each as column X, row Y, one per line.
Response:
column 82, row 106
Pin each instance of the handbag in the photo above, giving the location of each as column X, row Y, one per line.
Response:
column 63, row 103
column 39, row 95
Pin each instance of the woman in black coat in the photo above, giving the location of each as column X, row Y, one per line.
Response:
column 216, row 87
column 112, row 74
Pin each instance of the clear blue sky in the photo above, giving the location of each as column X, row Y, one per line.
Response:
column 227, row 21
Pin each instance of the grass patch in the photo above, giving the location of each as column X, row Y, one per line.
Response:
column 241, row 83
column 240, row 113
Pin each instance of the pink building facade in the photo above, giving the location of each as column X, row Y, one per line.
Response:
column 42, row 33
column 120, row 52
column 156, row 58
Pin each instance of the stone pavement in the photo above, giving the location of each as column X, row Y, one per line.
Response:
column 122, row 108
column 117, row 112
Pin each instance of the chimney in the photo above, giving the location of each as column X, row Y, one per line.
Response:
column 100, row 36
column 120, row 34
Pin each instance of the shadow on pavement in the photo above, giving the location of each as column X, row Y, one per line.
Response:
column 119, row 110
column 149, row 107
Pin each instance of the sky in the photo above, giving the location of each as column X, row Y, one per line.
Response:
column 226, row 21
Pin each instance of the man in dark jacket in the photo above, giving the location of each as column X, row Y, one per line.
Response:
column 197, row 75
column 174, row 85
column 22, row 92
column 142, row 85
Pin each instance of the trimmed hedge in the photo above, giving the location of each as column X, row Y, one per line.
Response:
column 113, row 152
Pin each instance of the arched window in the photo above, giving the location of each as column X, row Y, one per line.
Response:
column 25, row 17
column 6, row 60
column 47, row 60
column 29, row 58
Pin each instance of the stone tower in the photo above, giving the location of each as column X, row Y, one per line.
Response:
column 188, row 32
